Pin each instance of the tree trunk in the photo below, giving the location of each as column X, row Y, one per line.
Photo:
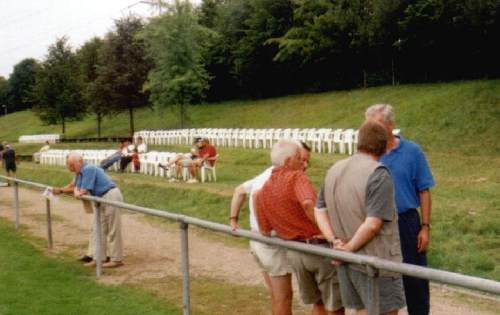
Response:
column 99, row 121
column 131, row 116
column 63, row 125
column 393, row 72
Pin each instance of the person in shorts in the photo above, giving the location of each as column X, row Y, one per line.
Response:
column 357, row 202
column 285, row 205
column 271, row 259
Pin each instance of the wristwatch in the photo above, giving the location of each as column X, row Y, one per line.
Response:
column 427, row 225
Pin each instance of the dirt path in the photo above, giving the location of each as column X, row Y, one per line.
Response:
column 152, row 250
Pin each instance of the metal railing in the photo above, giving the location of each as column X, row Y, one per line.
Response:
column 373, row 264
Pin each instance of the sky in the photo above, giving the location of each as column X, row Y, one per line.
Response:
column 29, row 27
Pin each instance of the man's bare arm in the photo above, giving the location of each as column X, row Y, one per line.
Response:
column 68, row 189
column 365, row 233
column 239, row 197
column 425, row 207
column 324, row 224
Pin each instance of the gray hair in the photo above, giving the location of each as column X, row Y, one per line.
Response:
column 282, row 150
column 385, row 109
column 74, row 156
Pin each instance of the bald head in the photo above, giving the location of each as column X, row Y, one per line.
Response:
column 74, row 162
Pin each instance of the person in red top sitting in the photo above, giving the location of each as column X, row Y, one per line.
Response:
column 285, row 205
column 136, row 161
column 206, row 152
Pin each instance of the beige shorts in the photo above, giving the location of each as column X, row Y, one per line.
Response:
column 317, row 278
column 271, row 259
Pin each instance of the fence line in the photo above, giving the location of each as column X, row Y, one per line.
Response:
column 373, row 264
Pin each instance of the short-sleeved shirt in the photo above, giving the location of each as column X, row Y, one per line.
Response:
column 379, row 199
column 250, row 187
column 9, row 156
column 411, row 173
column 279, row 205
column 94, row 179
column 209, row 151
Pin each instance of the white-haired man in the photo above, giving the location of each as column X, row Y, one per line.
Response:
column 412, row 182
column 92, row 180
column 271, row 259
column 285, row 204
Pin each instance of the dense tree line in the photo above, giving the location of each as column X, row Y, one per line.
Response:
column 226, row 49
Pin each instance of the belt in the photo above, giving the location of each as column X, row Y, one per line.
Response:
column 314, row 241
column 104, row 193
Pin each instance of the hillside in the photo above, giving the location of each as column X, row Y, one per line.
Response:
column 459, row 117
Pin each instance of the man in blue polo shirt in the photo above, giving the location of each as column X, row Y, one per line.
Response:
column 412, row 182
column 94, row 181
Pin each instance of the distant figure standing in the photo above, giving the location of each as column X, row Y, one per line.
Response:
column 36, row 155
column 9, row 160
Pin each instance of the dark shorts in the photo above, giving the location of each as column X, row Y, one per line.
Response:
column 10, row 166
column 355, row 290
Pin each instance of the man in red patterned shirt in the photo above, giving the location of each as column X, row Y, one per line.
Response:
column 285, row 204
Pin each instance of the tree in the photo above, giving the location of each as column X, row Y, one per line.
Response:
column 4, row 86
column 21, row 83
column 122, row 75
column 94, row 95
column 174, row 42
column 58, row 89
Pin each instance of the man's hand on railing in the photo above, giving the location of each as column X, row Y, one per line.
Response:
column 233, row 221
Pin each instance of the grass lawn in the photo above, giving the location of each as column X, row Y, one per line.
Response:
column 32, row 283
column 459, row 116
column 466, row 203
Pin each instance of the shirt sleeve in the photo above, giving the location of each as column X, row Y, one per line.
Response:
column 304, row 190
column 88, row 178
column 424, row 178
column 380, row 201
column 264, row 224
column 247, row 186
column 321, row 202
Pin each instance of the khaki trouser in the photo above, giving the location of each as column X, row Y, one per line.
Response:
column 111, row 227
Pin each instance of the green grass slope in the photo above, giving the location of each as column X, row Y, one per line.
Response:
column 458, row 117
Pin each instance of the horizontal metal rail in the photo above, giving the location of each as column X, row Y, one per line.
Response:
column 441, row 276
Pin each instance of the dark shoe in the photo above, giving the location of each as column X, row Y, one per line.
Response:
column 85, row 259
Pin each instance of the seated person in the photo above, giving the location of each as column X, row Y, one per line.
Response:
column 135, row 160
column 206, row 153
column 141, row 146
column 181, row 160
column 36, row 155
column 115, row 157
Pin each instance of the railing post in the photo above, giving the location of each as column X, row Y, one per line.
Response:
column 186, row 304
column 98, row 236
column 49, row 222
column 374, row 305
column 16, row 203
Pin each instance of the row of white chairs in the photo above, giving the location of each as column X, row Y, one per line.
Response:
column 51, row 138
column 149, row 162
column 320, row 140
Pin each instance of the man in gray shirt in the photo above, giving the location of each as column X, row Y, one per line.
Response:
column 356, row 212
